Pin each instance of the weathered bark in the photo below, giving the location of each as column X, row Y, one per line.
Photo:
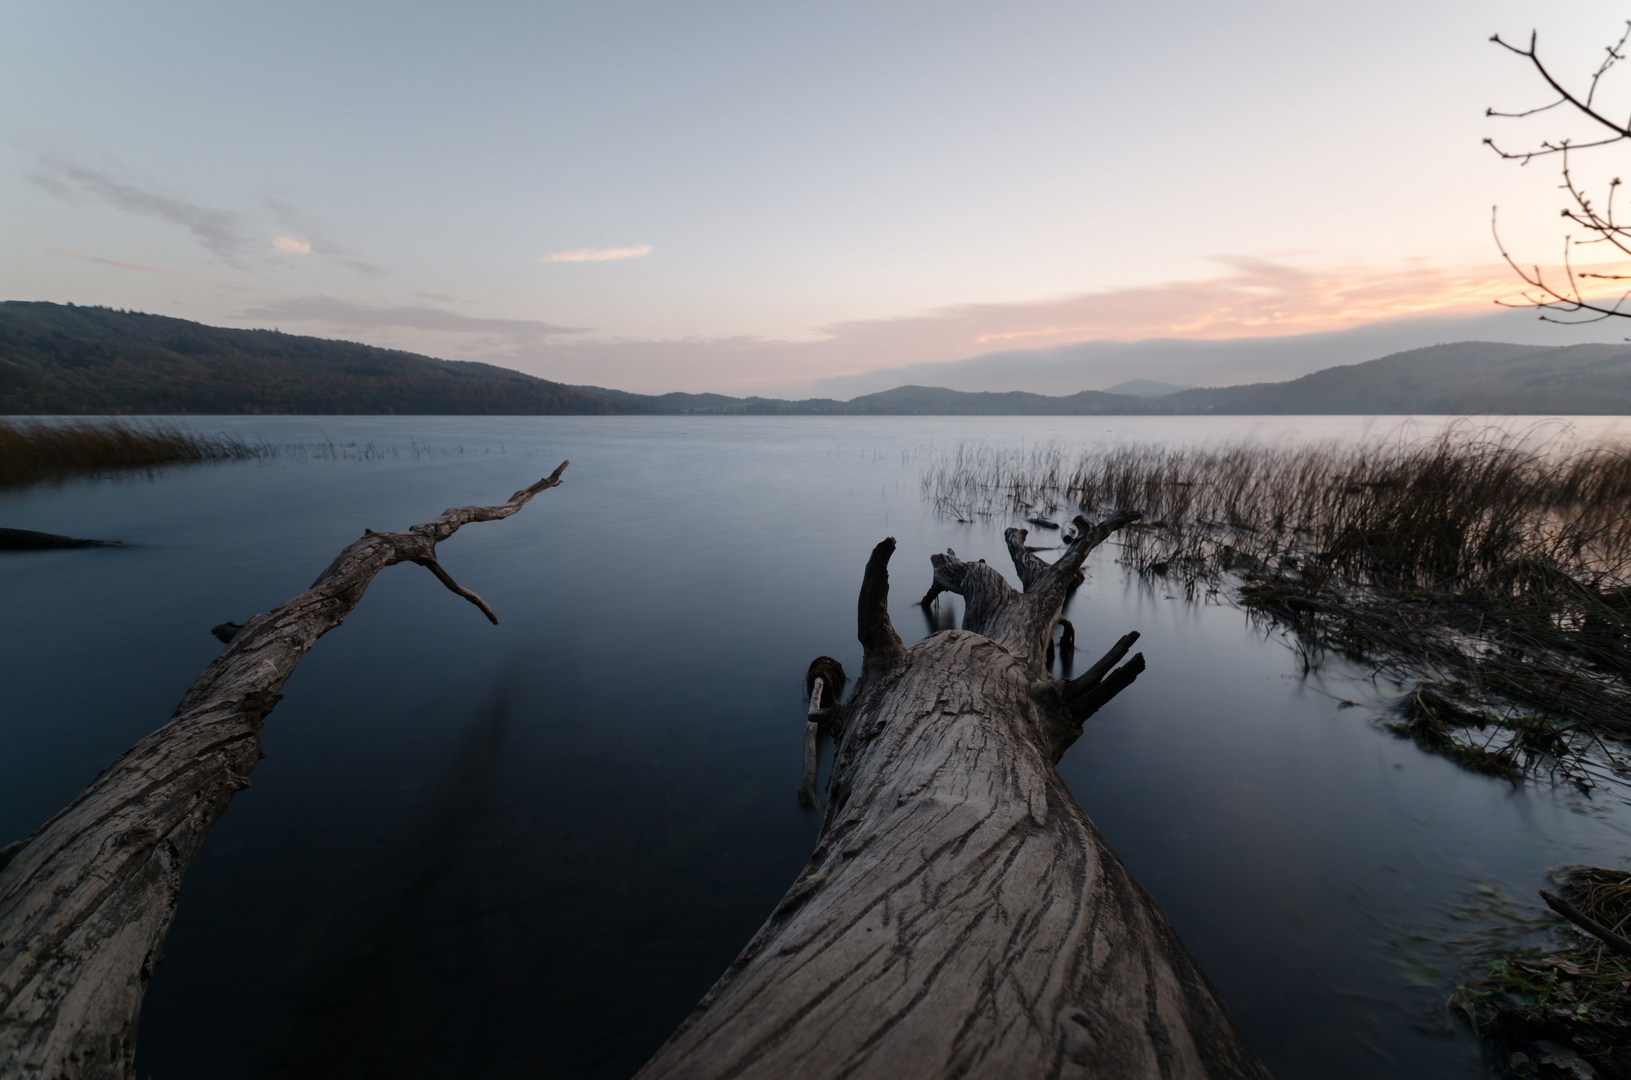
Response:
column 961, row 916
column 86, row 901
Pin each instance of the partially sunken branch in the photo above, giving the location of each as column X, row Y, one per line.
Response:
column 86, row 901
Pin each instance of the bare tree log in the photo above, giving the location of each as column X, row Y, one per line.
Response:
column 961, row 916
column 86, row 902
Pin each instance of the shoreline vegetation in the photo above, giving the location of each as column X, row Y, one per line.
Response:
column 1486, row 571
column 32, row 452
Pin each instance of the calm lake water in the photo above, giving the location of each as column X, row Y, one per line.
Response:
column 528, row 849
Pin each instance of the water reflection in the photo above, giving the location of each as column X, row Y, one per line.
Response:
column 530, row 848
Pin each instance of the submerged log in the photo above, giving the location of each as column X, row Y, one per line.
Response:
column 86, row 901
column 961, row 916
column 29, row 540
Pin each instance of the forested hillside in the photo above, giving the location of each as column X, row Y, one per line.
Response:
column 61, row 359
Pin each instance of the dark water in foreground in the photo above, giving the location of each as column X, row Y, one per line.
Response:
column 528, row 849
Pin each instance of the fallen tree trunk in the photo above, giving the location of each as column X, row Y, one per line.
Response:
column 961, row 916
column 86, row 901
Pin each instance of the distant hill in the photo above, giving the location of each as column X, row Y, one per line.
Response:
column 1467, row 377
column 938, row 401
column 62, row 359
column 1145, row 388
column 57, row 358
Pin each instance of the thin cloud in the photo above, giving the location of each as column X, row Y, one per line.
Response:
column 143, row 267
column 1252, row 299
column 303, row 224
column 237, row 239
column 346, row 315
column 1254, row 302
column 597, row 254
column 221, row 232
column 122, row 264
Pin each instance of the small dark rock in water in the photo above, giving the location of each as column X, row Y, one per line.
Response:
column 1043, row 523
column 27, row 539
column 226, row 632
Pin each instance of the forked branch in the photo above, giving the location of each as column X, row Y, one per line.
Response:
column 447, row 579
column 1045, row 595
column 1091, row 678
column 1029, row 568
column 1118, row 680
column 1022, row 622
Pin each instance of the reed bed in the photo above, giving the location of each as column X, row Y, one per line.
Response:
column 1490, row 570
column 32, row 451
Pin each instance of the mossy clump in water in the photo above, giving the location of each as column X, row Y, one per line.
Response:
column 1431, row 720
column 30, row 452
column 1566, row 1014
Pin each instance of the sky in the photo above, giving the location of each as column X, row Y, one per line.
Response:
column 791, row 198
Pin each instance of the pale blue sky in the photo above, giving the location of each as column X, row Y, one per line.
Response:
column 823, row 189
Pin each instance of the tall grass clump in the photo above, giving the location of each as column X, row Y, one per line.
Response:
column 33, row 451
column 1491, row 568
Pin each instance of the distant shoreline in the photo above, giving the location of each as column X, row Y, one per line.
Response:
column 65, row 360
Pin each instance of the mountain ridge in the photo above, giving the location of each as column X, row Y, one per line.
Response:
column 73, row 360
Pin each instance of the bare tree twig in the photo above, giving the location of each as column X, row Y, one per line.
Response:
column 1566, row 296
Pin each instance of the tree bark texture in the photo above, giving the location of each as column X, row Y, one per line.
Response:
column 961, row 916
column 86, row 901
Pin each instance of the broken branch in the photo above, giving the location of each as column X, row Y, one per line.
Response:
column 86, row 902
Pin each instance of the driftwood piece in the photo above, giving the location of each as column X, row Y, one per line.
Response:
column 86, row 901
column 961, row 916
column 1587, row 923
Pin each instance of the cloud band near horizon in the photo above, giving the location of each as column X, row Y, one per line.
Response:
column 1253, row 299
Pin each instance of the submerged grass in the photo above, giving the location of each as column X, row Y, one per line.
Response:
column 31, row 451
column 1567, row 1013
column 1489, row 569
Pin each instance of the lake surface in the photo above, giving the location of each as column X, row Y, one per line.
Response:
column 529, row 849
